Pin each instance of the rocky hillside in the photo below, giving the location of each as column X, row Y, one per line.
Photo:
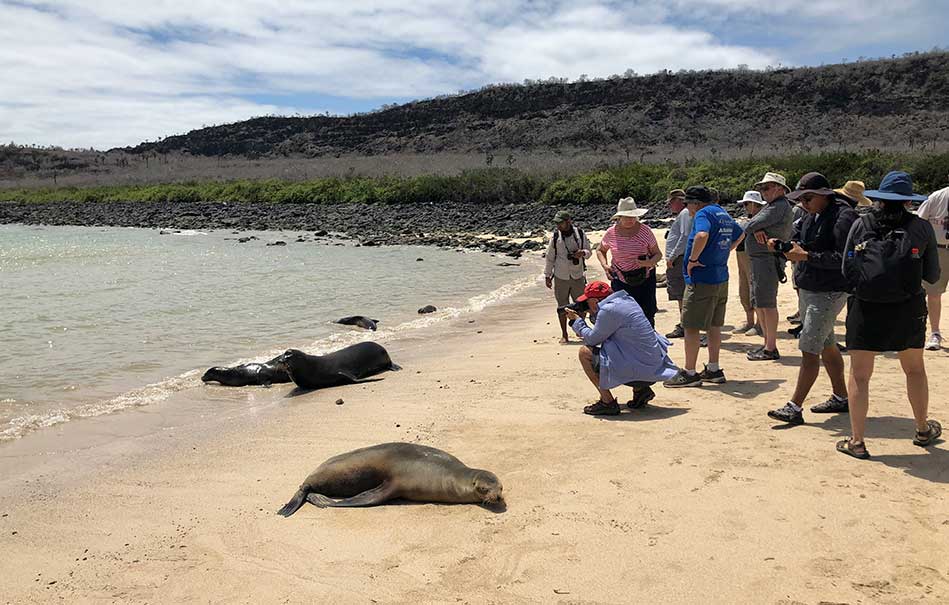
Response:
column 891, row 104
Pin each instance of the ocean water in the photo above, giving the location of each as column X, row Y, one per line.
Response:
column 97, row 320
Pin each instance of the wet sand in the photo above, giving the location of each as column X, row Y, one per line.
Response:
column 697, row 498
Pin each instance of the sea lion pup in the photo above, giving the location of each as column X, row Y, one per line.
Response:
column 373, row 475
column 348, row 365
column 248, row 374
column 359, row 320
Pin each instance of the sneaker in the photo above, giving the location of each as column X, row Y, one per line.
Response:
column 935, row 342
column 682, row 379
column 641, row 398
column 763, row 354
column 754, row 330
column 787, row 414
column 717, row 377
column 832, row 406
column 703, row 341
column 794, row 319
column 678, row 332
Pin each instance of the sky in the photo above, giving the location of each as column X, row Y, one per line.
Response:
column 109, row 73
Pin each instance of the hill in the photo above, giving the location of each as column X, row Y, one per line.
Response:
column 894, row 103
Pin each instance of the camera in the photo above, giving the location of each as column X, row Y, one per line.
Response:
column 577, row 307
column 782, row 247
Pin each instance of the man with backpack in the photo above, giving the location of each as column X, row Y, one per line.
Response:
column 816, row 247
column 567, row 254
column 889, row 253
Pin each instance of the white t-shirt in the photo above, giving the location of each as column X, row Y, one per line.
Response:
column 936, row 211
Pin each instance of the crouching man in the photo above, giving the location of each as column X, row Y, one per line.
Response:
column 622, row 347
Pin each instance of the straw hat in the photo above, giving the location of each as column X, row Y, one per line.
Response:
column 627, row 207
column 752, row 196
column 676, row 194
column 853, row 191
column 774, row 177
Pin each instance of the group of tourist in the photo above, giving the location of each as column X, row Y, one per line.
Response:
column 881, row 262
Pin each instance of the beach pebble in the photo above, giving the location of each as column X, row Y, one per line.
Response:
column 427, row 309
column 339, row 402
column 418, row 260
column 278, row 243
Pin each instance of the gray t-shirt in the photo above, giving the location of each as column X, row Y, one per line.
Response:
column 775, row 220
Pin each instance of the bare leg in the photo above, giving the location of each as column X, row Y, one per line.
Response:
column 769, row 325
column 934, row 302
column 806, row 377
column 917, row 385
column 861, row 369
column 562, row 318
column 586, row 361
column 714, row 344
column 834, row 364
column 692, row 348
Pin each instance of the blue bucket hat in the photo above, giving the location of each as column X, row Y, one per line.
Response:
column 897, row 186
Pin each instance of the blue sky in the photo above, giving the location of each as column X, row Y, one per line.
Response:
column 106, row 73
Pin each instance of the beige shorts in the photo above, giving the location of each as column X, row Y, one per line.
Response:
column 566, row 290
column 940, row 286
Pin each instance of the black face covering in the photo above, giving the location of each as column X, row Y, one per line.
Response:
column 891, row 213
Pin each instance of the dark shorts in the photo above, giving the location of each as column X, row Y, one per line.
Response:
column 883, row 327
column 644, row 294
column 703, row 306
column 636, row 384
column 675, row 280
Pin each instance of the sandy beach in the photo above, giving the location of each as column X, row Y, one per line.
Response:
column 697, row 498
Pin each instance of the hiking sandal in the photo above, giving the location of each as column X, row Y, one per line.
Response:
column 930, row 436
column 857, row 450
column 602, row 409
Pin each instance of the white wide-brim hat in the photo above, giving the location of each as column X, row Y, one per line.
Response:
column 752, row 196
column 627, row 207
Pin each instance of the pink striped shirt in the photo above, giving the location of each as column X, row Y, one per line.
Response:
column 625, row 251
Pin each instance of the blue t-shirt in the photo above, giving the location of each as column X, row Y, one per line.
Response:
column 722, row 231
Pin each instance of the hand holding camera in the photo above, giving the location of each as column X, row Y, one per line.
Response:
column 790, row 250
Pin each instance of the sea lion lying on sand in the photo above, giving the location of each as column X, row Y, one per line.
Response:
column 247, row 374
column 359, row 320
column 345, row 366
column 373, row 475
column 427, row 309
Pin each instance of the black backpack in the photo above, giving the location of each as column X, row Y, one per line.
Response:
column 885, row 266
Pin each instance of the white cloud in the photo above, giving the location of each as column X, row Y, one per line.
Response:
column 115, row 72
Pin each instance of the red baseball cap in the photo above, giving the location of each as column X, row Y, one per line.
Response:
column 595, row 289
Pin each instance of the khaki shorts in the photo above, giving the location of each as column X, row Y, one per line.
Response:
column 675, row 280
column 566, row 290
column 940, row 286
column 703, row 306
column 764, row 281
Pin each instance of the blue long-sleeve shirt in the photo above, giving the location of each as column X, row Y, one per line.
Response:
column 630, row 348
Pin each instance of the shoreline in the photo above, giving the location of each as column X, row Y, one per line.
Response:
column 510, row 229
column 694, row 499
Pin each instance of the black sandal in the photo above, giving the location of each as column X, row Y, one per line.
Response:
column 857, row 450
column 601, row 408
column 641, row 398
column 930, row 436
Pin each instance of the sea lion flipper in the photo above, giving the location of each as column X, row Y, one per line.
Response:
column 294, row 504
column 394, row 367
column 349, row 376
column 370, row 497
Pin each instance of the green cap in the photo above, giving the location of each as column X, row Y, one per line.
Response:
column 561, row 216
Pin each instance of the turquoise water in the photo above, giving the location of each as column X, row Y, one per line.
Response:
column 95, row 320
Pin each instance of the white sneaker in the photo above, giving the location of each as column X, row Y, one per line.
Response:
column 935, row 342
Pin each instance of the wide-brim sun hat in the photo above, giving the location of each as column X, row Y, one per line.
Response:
column 774, row 177
column 754, row 197
column 676, row 194
column 896, row 186
column 627, row 207
column 813, row 183
column 853, row 190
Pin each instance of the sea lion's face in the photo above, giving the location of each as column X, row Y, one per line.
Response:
column 288, row 357
column 214, row 374
column 488, row 487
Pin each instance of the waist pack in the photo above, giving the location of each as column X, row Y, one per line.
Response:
column 885, row 266
column 636, row 277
